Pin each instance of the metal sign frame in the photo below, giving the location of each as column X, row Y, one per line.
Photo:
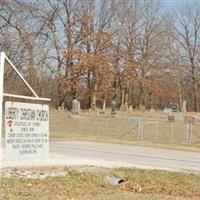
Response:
column 4, row 58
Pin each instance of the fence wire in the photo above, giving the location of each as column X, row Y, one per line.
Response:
column 120, row 129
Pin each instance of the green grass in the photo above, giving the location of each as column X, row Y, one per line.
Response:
column 88, row 183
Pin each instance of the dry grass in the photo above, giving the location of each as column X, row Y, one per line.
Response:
column 86, row 183
column 104, row 128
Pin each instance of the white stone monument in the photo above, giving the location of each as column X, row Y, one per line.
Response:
column 76, row 107
column 184, row 106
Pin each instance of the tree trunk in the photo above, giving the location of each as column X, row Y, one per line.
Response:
column 122, row 98
column 180, row 96
column 196, row 100
column 140, row 102
column 195, row 87
column 94, row 98
column 104, row 103
column 60, row 97
column 127, row 95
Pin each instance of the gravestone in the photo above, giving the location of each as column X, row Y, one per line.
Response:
column 75, row 107
column 173, row 106
column 62, row 107
column 184, row 106
column 171, row 118
column 167, row 112
column 152, row 113
column 113, row 107
column 131, row 108
column 197, row 117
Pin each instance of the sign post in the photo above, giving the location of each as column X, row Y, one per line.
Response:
column 190, row 121
column 27, row 125
column 1, row 103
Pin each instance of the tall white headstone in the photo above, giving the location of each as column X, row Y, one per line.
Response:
column 184, row 106
column 76, row 107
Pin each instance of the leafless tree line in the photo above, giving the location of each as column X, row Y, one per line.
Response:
column 134, row 51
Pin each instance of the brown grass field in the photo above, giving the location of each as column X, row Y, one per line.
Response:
column 157, row 131
column 89, row 183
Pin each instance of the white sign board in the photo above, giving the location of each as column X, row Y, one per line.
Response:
column 26, row 132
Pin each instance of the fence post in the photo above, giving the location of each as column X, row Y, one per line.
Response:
column 172, row 131
column 189, row 133
column 157, row 125
column 140, row 131
column 141, row 134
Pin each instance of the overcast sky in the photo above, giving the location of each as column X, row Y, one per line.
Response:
column 174, row 4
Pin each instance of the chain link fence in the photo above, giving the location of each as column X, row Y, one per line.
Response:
column 122, row 129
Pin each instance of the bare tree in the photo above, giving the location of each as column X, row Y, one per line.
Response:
column 188, row 39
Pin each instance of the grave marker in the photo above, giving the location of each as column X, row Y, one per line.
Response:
column 113, row 107
column 167, row 112
column 152, row 113
column 184, row 106
column 171, row 118
column 76, row 107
